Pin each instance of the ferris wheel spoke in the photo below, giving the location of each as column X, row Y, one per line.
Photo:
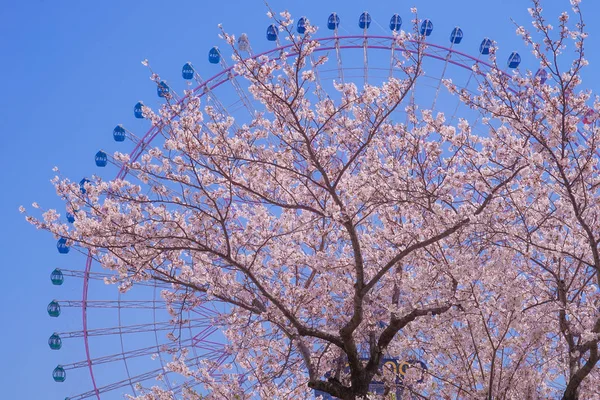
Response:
column 437, row 90
column 477, row 63
column 319, row 91
column 453, row 118
column 212, row 98
column 104, row 276
column 130, row 329
column 232, row 78
column 214, row 349
column 205, row 311
column 118, row 385
column 134, row 169
column 142, row 304
column 215, row 352
column 191, row 383
column 121, row 133
column 146, row 351
column 333, row 24
column 203, row 334
column 218, row 361
column 364, row 21
column 167, row 380
column 81, row 274
column 366, row 59
column 339, row 61
column 393, row 59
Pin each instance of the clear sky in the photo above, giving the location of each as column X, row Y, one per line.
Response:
column 71, row 71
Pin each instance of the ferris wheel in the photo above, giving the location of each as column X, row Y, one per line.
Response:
column 124, row 341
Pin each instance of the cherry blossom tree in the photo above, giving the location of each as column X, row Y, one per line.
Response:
column 335, row 232
column 550, row 218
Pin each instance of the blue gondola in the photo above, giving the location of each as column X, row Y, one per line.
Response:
column 53, row 309
column 301, row 26
column 364, row 21
column 56, row 277
column 514, row 60
column 101, row 159
column 55, row 342
column 395, row 22
column 214, row 57
column 333, row 21
column 59, row 374
column 456, row 35
column 590, row 117
column 162, row 89
column 61, row 245
column 70, row 217
column 119, row 134
column 542, row 74
column 137, row 110
column 82, row 184
column 484, row 47
column 187, row 72
column 272, row 33
column 243, row 42
column 426, row 27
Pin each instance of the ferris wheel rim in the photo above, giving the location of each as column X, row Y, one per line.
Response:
column 201, row 89
column 228, row 74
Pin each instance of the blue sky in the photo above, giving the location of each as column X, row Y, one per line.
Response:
column 71, row 71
